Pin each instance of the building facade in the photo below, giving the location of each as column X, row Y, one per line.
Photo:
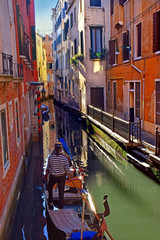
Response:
column 41, row 62
column 133, row 74
column 17, row 68
column 81, row 30
column 47, row 45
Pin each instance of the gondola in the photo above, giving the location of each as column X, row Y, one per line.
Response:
column 78, row 219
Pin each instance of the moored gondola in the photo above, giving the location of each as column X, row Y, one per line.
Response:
column 78, row 219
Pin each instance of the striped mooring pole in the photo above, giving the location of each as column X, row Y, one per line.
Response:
column 39, row 111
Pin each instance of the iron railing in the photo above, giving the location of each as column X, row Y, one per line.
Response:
column 126, row 129
column 6, row 64
column 18, row 70
column 97, row 55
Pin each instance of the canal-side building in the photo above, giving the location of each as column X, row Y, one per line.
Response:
column 133, row 74
column 47, row 45
column 81, row 30
column 17, row 68
column 41, row 62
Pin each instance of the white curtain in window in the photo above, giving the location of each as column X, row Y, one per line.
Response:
column 93, row 39
column 98, row 40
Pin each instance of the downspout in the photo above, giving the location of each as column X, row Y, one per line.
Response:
column 61, row 91
column 137, row 69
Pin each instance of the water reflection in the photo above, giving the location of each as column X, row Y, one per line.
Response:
column 133, row 197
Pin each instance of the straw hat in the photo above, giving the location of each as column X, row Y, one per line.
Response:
column 58, row 145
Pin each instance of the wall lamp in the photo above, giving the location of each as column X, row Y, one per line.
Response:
column 125, row 47
column 43, row 91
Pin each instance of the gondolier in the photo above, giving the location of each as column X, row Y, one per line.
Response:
column 58, row 165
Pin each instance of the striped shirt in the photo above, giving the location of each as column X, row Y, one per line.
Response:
column 58, row 165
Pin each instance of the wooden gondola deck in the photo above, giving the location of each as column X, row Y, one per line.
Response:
column 67, row 221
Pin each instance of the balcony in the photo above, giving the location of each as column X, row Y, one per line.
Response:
column 97, row 55
column 24, row 48
column 6, row 64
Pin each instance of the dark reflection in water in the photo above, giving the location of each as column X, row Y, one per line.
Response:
column 30, row 221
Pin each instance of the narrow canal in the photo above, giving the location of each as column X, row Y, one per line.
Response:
column 133, row 197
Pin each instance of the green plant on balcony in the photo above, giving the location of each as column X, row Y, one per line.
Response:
column 79, row 56
column 97, row 55
column 75, row 58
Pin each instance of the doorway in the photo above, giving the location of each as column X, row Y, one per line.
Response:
column 131, row 105
column 97, row 97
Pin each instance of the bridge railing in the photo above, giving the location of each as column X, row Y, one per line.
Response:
column 126, row 129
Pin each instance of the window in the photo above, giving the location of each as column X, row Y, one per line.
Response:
column 109, row 86
column 112, row 7
column 75, row 17
column 139, row 33
column 71, row 20
column 65, row 82
column 97, row 97
column 72, row 51
column 95, row 3
column 158, row 102
column 114, row 96
column 17, row 120
column 10, row 110
column 113, row 57
column 121, row 2
column 96, row 39
column 63, row 12
column 48, row 77
column 61, row 80
column 75, row 46
column 126, row 49
column 49, row 65
column 4, row 136
column 81, row 41
column 80, row 6
column 70, row 87
column 156, row 31
column 137, row 100
column 65, row 5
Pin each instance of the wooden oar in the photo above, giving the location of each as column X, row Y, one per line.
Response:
column 89, row 206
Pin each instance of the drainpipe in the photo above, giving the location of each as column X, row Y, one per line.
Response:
column 61, row 92
column 137, row 69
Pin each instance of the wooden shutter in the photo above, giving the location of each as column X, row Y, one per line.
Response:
column 124, row 44
column 111, row 52
column 127, row 44
column 156, row 34
column 139, row 28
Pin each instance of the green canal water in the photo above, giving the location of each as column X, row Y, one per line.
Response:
column 134, row 198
